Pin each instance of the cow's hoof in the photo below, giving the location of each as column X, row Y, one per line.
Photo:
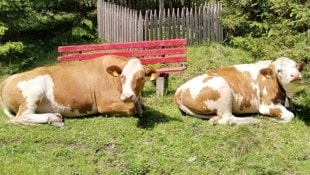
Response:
column 56, row 120
column 214, row 120
column 58, row 124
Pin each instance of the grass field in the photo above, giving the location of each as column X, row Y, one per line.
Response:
column 163, row 141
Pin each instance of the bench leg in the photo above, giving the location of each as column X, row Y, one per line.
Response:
column 161, row 84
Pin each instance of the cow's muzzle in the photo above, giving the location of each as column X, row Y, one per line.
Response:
column 296, row 80
column 128, row 97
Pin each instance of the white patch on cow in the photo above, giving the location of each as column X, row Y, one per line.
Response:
column 287, row 72
column 185, row 109
column 253, row 69
column 254, row 85
column 8, row 113
column 41, row 88
column 195, row 85
column 265, row 92
column 286, row 116
column 212, row 105
column 223, row 104
column 265, row 109
column 131, row 68
column 34, row 90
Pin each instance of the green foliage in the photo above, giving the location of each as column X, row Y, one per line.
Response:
column 29, row 28
column 10, row 47
column 2, row 30
column 269, row 29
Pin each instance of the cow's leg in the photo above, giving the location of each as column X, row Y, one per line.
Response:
column 118, row 107
column 224, row 111
column 138, row 108
column 229, row 119
column 277, row 111
column 26, row 115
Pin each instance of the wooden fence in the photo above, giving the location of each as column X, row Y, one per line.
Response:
column 120, row 24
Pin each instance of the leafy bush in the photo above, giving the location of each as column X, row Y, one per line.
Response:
column 29, row 29
column 269, row 28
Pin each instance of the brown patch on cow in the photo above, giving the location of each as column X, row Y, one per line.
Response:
column 86, row 84
column 198, row 105
column 240, row 83
column 270, row 85
column 208, row 93
column 275, row 112
column 138, row 84
column 266, row 72
column 300, row 66
column 12, row 96
column 207, row 79
column 177, row 98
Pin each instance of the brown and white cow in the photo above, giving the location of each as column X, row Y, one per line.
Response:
column 261, row 87
column 105, row 85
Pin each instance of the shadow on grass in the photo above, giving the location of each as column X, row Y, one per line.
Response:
column 152, row 117
column 303, row 111
column 149, row 119
column 302, row 104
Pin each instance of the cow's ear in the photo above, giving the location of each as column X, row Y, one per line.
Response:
column 266, row 72
column 152, row 73
column 300, row 66
column 114, row 71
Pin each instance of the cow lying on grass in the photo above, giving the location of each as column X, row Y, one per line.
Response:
column 261, row 87
column 105, row 85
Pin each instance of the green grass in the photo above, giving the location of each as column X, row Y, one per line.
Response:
column 163, row 141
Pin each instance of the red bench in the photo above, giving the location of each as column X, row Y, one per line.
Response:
column 167, row 56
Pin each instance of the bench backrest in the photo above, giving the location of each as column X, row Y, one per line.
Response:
column 149, row 52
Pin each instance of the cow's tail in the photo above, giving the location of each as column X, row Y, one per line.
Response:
column 3, row 105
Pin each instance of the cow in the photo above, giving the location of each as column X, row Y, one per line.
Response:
column 262, row 87
column 105, row 85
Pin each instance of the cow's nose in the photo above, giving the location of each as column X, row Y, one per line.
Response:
column 128, row 97
column 297, row 75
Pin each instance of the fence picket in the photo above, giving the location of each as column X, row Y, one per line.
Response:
column 198, row 24
column 182, row 18
column 168, row 28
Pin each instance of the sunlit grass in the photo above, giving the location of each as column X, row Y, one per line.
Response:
column 163, row 141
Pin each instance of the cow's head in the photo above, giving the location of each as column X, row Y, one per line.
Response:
column 133, row 76
column 288, row 73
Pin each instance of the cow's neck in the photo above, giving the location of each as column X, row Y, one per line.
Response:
column 287, row 99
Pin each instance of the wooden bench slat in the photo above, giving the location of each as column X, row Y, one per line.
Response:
column 156, row 60
column 133, row 53
column 76, row 57
column 149, row 60
column 143, row 44
column 171, row 69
